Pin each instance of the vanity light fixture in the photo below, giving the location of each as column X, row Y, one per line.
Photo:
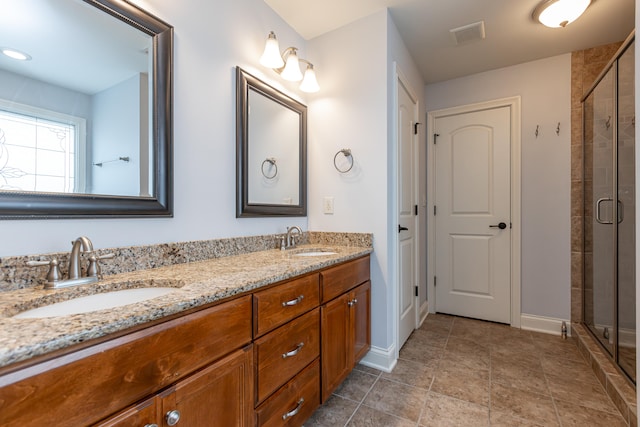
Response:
column 559, row 13
column 287, row 64
column 15, row 54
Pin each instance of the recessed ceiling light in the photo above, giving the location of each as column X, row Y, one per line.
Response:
column 15, row 54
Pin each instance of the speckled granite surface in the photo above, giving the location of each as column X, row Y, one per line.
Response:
column 197, row 283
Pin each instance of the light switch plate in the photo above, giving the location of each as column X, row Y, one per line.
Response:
column 327, row 205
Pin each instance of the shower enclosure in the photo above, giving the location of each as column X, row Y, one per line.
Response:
column 609, row 209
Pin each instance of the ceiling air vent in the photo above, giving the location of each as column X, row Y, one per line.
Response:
column 468, row 33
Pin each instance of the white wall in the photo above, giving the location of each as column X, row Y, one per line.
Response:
column 350, row 111
column 355, row 110
column 211, row 38
column 545, row 90
column 116, row 132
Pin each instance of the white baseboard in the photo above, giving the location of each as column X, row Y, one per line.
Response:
column 423, row 313
column 547, row 325
column 383, row 359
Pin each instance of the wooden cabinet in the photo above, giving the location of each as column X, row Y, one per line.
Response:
column 83, row 387
column 345, row 323
column 262, row 359
column 218, row 395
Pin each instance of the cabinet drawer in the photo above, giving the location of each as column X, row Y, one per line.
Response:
column 294, row 403
column 119, row 372
column 340, row 279
column 281, row 354
column 277, row 305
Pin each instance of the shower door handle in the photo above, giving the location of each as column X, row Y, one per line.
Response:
column 620, row 211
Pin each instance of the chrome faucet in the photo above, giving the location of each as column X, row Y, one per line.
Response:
column 75, row 271
column 291, row 237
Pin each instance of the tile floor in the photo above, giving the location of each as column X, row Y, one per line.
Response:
column 460, row 372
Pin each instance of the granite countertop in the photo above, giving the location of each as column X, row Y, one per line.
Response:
column 197, row 283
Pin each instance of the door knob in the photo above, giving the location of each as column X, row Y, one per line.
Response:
column 501, row 226
column 401, row 229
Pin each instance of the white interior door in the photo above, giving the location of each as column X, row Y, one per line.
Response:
column 407, row 117
column 473, row 218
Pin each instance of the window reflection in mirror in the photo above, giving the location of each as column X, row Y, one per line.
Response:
column 70, row 114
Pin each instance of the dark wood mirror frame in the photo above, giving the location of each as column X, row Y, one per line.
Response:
column 245, row 82
column 24, row 205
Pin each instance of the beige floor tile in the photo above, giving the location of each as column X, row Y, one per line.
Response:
column 561, row 367
column 520, row 343
column 504, row 419
column 555, row 346
column 471, row 361
column 461, row 383
column 580, row 416
column 367, row 369
column 412, row 373
column 336, row 411
column 525, row 360
column 370, row 417
column 396, row 399
column 465, row 346
column 471, row 332
column 589, row 394
column 434, row 338
column 511, row 374
column 356, row 385
column 444, row 411
column 535, row 407
column 417, row 351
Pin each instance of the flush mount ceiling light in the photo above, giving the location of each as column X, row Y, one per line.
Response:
column 15, row 54
column 287, row 64
column 559, row 13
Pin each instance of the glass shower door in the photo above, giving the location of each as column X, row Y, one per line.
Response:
column 626, row 230
column 599, row 262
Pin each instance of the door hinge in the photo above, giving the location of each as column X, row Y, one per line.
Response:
column 416, row 290
column 435, row 210
column 415, row 128
column 415, row 209
column 434, row 281
column 435, row 136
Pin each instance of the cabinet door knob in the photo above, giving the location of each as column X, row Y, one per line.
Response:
column 294, row 301
column 294, row 411
column 173, row 417
column 293, row 352
column 352, row 302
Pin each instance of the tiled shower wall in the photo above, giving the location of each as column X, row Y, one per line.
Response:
column 586, row 65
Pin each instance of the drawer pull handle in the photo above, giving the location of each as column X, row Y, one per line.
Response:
column 352, row 302
column 294, row 351
column 295, row 411
column 173, row 417
column 151, row 425
column 294, row 301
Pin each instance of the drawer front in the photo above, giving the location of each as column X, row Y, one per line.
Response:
column 277, row 305
column 294, row 403
column 281, row 354
column 340, row 279
column 124, row 370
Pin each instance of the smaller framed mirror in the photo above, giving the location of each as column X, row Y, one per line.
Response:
column 271, row 149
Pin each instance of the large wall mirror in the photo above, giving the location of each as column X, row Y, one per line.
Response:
column 86, row 113
column 271, row 150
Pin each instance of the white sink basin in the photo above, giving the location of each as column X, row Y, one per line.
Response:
column 315, row 253
column 95, row 302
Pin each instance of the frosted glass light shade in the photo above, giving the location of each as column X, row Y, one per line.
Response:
column 560, row 13
column 271, row 56
column 291, row 70
column 309, row 83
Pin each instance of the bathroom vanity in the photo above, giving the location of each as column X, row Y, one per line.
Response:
column 264, row 349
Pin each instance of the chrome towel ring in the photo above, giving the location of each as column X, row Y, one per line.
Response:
column 346, row 152
column 271, row 161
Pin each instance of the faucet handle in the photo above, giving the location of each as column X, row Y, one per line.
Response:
column 94, row 268
column 53, row 275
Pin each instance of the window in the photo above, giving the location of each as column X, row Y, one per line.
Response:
column 41, row 150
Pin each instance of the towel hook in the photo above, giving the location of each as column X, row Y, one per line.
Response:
column 272, row 162
column 346, row 152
